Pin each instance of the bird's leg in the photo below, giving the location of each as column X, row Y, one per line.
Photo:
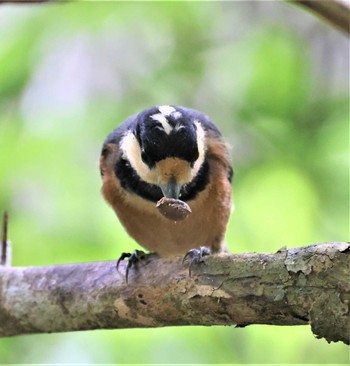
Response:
column 196, row 256
column 133, row 259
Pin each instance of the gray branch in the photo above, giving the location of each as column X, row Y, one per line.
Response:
column 308, row 285
column 335, row 12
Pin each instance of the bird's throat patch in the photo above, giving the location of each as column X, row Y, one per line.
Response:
column 176, row 168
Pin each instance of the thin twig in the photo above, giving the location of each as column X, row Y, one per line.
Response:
column 4, row 238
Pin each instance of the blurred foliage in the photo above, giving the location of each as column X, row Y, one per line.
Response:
column 69, row 73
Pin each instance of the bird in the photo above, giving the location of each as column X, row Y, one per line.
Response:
column 175, row 153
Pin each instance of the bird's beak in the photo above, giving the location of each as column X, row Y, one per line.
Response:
column 171, row 189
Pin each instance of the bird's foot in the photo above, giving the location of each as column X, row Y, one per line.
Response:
column 133, row 259
column 196, row 256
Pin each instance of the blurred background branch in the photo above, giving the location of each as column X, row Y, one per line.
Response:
column 4, row 241
column 307, row 285
column 335, row 12
column 24, row 2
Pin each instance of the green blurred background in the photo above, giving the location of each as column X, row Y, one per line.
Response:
column 272, row 77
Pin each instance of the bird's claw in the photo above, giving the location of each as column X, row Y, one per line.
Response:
column 133, row 259
column 196, row 256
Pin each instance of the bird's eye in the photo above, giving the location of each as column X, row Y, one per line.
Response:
column 146, row 159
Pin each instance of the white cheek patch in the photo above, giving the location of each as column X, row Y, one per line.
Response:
column 132, row 152
column 201, row 148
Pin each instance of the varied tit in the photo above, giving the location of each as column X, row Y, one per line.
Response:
column 176, row 153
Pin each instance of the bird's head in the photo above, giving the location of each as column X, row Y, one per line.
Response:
column 166, row 148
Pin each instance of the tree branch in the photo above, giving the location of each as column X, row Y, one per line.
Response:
column 335, row 12
column 308, row 285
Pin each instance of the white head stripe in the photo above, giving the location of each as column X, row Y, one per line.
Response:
column 179, row 127
column 166, row 110
column 164, row 122
column 177, row 115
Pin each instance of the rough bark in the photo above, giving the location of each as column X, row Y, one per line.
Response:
column 307, row 285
